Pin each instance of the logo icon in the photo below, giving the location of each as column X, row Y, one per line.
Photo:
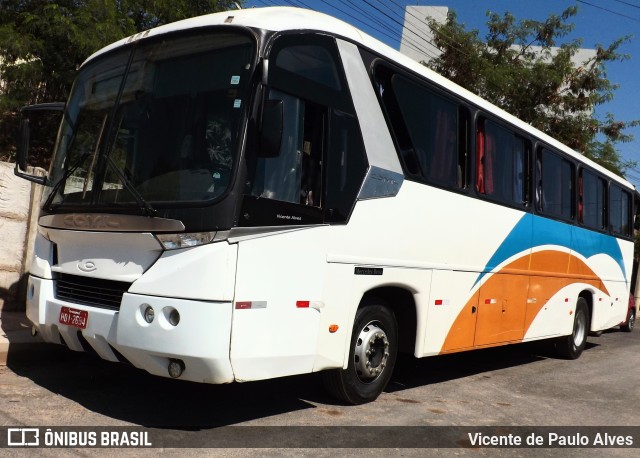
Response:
column 23, row 437
column 87, row 266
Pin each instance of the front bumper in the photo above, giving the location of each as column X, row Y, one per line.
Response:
column 201, row 339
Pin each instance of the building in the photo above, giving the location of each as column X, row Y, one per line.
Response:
column 417, row 39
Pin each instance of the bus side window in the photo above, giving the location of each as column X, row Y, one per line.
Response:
column 592, row 191
column 295, row 174
column 321, row 162
column 619, row 211
column 393, row 114
column 554, row 185
column 502, row 160
column 430, row 129
column 346, row 165
column 432, row 122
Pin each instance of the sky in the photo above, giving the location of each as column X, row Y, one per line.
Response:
column 597, row 22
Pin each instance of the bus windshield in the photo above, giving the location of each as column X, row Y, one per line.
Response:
column 156, row 122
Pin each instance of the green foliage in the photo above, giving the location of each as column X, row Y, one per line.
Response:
column 42, row 44
column 526, row 68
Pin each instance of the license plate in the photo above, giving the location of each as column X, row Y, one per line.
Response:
column 73, row 317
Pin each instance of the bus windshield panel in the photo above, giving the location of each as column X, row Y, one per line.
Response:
column 156, row 122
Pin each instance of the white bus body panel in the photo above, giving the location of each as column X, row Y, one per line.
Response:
column 458, row 255
column 272, row 336
column 377, row 142
column 186, row 280
column 146, row 346
column 205, row 273
column 107, row 255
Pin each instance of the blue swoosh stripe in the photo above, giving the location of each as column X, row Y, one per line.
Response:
column 534, row 231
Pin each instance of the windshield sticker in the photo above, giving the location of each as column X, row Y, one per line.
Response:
column 237, row 103
column 235, row 80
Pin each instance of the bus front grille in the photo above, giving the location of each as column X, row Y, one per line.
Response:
column 94, row 292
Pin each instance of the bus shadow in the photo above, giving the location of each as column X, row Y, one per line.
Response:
column 127, row 394
column 122, row 392
column 412, row 372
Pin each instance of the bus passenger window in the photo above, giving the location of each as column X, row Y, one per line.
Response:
column 591, row 190
column 502, row 158
column 432, row 123
column 430, row 131
column 619, row 211
column 393, row 114
column 554, row 189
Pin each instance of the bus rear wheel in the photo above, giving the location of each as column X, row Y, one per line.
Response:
column 571, row 346
column 630, row 321
column 372, row 357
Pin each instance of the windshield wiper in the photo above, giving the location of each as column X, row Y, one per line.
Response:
column 93, row 161
column 144, row 206
column 64, row 178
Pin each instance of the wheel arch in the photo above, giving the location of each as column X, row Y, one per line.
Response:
column 400, row 300
column 587, row 295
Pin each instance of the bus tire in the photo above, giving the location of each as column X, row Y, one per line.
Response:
column 630, row 322
column 372, row 357
column 571, row 346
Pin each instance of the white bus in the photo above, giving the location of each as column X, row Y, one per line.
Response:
column 269, row 192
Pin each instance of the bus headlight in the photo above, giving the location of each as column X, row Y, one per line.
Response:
column 175, row 241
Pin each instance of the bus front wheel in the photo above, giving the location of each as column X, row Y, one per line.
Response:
column 571, row 346
column 372, row 357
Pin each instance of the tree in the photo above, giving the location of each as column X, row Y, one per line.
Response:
column 520, row 68
column 42, row 44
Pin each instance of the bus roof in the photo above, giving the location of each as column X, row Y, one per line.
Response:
column 278, row 19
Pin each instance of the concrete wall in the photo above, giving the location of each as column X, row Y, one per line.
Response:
column 17, row 232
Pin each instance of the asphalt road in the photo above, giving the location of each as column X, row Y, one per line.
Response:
column 522, row 385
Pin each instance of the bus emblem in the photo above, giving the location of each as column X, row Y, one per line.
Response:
column 87, row 266
column 90, row 221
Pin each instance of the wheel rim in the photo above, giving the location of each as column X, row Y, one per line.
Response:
column 632, row 320
column 580, row 329
column 371, row 352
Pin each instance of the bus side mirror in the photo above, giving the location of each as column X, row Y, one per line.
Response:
column 636, row 206
column 271, row 128
column 25, row 139
column 23, row 145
